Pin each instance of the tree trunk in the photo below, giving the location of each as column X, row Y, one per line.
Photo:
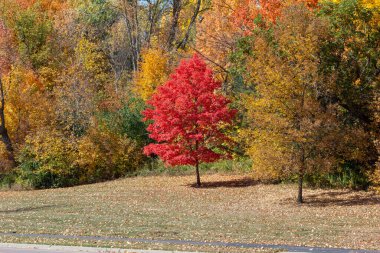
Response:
column 5, row 139
column 3, row 131
column 300, row 186
column 301, row 174
column 154, row 14
column 174, row 23
column 198, row 176
column 129, row 10
column 183, row 43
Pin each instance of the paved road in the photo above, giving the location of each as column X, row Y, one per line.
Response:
column 287, row 248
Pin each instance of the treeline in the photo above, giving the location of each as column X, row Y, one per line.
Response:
column 303, row 76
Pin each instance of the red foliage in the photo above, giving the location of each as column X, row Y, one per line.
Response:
column 24, row 4
column 248, row 10
column 187, row 116
column 4, row 49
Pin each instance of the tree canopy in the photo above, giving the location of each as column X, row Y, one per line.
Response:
column 289, row 87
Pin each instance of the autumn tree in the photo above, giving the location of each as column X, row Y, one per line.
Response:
column 248, row 12
column 153, row 72
column 97, row 17
column 290, row 133
column 79, row 92
column 188, row 117
column 217, row 35
column 3, row 128
column 184, row 18
column 350, row 66
column 32, row 30
column 375, row 177
column 5, row 61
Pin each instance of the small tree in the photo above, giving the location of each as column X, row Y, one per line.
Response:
column 188, row 117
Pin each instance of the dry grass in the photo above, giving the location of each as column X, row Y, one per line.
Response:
column 228, row 208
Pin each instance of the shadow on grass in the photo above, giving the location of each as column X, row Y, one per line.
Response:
column 347, row 198
column 27, row 209
column 237, row 183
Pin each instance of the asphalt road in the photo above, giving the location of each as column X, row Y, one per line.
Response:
column 62, row 249
column 283, row 248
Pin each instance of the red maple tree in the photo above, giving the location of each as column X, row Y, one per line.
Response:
column 188, row 117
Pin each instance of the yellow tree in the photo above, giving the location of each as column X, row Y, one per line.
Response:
column 28, row 106
column 290, row 132
column 154, row 70
column 365, row 3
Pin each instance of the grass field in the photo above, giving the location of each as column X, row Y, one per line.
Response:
column 228, row 208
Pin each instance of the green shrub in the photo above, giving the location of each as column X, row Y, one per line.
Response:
column 127, row 121
column 348, row 176
column 5, row 163
column 154, row 166
column 7, row 179
column 47, row 160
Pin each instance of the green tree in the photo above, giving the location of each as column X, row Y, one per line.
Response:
column 97, row 17
column 349, row 63
column 33, row 29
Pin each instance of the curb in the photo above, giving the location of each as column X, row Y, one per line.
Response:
column 74, row 249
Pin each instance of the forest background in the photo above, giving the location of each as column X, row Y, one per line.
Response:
column 303, row 76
